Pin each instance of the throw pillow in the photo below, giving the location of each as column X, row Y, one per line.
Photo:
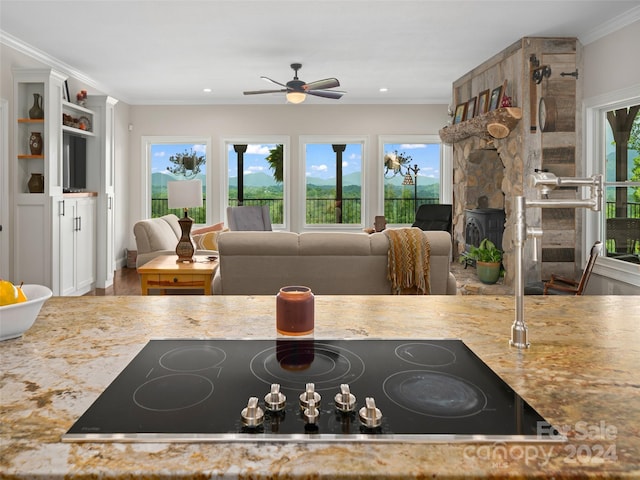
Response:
column 209, row 228
column 207, row 241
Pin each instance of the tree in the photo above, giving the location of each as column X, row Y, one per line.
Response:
column 634, row 144
column 275, row 159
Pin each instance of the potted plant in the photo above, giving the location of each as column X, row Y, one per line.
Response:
column 488, row 260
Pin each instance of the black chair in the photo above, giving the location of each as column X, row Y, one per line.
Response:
column 559, row 285
column 434, row 217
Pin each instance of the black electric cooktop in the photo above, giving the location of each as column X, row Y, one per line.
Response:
column 309, row 390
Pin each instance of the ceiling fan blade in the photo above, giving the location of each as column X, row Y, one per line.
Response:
column 273, row 81
column 335, row 94
column 322, row 84
column 257, row 92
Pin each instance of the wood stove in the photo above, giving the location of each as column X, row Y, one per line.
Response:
column 483, row 223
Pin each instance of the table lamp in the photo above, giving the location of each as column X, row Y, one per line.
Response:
column 185, row 194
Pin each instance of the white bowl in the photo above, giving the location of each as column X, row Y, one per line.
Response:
column 17, row 318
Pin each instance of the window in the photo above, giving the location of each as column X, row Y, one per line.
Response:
column 171, row 159
column 256, row 175
column 622, row 183
column 333, row 183
column 620, row 261
column 411, row 177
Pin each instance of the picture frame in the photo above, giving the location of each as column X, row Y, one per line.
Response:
column 461, row 110
column 470, row 111
column 496, row 96
column 483, row 102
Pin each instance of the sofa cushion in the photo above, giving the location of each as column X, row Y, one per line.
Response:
column 157, row 233
column 334, row 243
column 207, row 241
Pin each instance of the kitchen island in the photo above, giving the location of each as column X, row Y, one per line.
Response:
column 581, row 373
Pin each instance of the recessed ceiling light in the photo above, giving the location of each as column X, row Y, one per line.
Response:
column 384, row 89
column 206, row 90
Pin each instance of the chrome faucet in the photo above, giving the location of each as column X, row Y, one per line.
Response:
column 544, row 182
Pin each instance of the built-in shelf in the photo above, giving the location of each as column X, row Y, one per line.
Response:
column 77, row 131
column 494, row 124
column 31, row 120
column 31, row 157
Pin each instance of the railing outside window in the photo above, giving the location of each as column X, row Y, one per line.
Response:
column 319, row 210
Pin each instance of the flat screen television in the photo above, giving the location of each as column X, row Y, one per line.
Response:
column 74, row 167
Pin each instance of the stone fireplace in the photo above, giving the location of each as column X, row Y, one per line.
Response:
column 494, row 152
column 487, row 175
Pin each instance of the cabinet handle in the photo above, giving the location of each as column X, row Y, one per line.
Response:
column 63, row 209
column 110, row 202
column 79, row 224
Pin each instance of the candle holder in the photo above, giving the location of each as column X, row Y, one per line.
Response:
column 295, row 311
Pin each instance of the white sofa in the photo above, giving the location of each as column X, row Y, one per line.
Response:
column 159, row 236
column 260, row 263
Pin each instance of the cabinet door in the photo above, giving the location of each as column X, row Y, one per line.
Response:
column 67, row 224
column 85, row 243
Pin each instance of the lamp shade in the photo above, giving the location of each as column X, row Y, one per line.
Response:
column 184, row 194
column 296, row 97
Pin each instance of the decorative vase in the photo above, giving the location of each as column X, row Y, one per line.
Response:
column 488, row 273
column 36, row 183
column 36, row 111
column 35, row 143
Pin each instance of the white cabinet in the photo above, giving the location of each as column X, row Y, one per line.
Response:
column 77, row 245
column 101, row 179
column 54, row 235
column 35, row 235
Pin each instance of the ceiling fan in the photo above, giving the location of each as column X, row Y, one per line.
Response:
column 297, row 90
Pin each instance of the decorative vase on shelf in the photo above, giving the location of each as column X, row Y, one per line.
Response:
column 36, row 183
column 35, row 143
column 36, row 111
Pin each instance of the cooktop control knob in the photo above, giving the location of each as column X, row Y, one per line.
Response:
column 345, row 400
column 370, row 416
column 308, row 395
column 252, row 415
column 275, row 400
column 311, row 413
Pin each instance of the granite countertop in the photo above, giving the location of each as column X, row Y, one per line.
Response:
column 581, row 373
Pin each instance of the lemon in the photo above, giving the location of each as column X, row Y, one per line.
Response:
column 8, row 293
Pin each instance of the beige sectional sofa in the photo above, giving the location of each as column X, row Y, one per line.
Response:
column 331, row 263
column 159, row 236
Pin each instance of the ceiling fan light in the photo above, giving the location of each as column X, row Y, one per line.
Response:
column 296, row 97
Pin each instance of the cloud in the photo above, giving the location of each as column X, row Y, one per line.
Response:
column 319, row 168
column 159, row 153
column 412, row 146
column 259, row 149
column 199, row 148
column 254, row 169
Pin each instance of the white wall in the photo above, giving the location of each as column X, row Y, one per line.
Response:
column 611, row 64
column 221, row 122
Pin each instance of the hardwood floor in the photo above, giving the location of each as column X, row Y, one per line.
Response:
column 125, row 282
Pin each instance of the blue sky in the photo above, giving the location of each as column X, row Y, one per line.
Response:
column 320, row 158
column 160, row 154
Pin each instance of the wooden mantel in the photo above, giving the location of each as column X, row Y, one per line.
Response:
column 496, row 123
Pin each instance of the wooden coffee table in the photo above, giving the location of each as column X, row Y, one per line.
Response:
column 164, row 273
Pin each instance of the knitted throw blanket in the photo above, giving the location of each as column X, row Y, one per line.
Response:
column 409, row 253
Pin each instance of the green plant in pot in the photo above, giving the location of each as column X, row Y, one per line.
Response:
column 488, row 260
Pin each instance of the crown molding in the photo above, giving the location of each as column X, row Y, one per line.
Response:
column 48, row 60
column 610, row 26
